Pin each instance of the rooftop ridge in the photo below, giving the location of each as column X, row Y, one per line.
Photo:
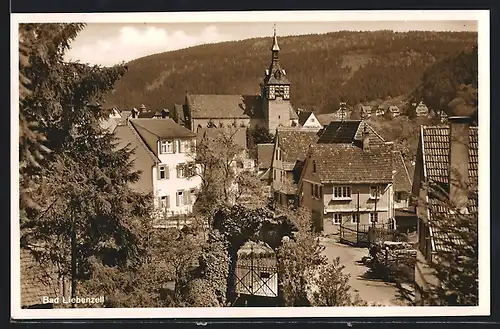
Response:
column 143, row 144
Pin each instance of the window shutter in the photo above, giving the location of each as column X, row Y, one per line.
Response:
column 167, row 172
column 185, row 197
column 159, row 202
column 174, row 146
column 158, row 171
column 167, row 201
column 178, row 171
column 177, row 199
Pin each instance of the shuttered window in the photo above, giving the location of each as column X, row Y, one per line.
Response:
column 163, row 172
column 164, row 202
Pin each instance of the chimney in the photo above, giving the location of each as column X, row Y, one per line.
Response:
column 366, row 139
column 459, row 160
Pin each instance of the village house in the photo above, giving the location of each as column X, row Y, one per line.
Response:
column 271, row 108
column 309, row 120
column 421, row 110
column 290, row 149
column 164, row 152
column 394, row 110
column 366, row 111
column 381, row 110
column 447, row 156
column 438, row 148
column 348, row 178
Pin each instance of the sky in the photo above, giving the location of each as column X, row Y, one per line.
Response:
column 111, row 43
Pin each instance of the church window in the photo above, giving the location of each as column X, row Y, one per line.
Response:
column 286, row 92
column 271, row 92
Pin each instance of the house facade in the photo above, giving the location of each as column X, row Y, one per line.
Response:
column 348, row 179
column 421, row 110
column 394, row 110
column 290, row 149
column 164, row 152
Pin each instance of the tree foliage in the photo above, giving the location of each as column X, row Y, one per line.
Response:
column 76, row 203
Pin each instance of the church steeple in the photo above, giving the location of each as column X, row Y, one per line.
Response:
column 276, row 47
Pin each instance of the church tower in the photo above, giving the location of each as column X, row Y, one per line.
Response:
column 275, row 93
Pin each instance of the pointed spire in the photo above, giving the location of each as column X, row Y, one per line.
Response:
column 275, row 40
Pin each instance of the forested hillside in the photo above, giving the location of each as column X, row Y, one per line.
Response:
column 353, row 66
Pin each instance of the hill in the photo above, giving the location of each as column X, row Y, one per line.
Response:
column 354, row 67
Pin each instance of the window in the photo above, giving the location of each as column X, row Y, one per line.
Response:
column 312, row 189
column 265, row 275
column 277, row 152
column 355, row 217
column 312, row 119
column 163, row 172
column 317, row 191
column 164, row 202
column 337, row 218
column 183, row 146
column 180, row 198
column 166, row 147
column 314, row 166
column 342, row 192
column 374, row 192
column 373, row 217
column 192, row 194
column 181, row 171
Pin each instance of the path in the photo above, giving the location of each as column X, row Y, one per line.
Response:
column 371, row 290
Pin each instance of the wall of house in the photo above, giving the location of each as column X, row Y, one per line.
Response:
column 276, row 166
column 171, row 185
column 278, row 113
column 312, row 122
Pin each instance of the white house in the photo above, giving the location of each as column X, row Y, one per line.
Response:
column 163, row 152
column 308, row 119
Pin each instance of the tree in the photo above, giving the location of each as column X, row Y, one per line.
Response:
column 331, row 287
column 85, row 208
column 298, row 259
column 455, row 263
column 223, row 183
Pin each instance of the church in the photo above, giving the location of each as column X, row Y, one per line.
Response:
column 271, row 109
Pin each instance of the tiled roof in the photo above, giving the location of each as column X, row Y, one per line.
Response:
column 224, row 106
column 402, row 181
column 264, row 155
column 239, row 135
column 35, row 281
column 143, row 158
column 346, row 163
column 165, row 128
column 436, row 152
column 295, row 143
column 303, row 116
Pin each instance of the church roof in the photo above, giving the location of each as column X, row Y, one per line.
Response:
column 224, row 106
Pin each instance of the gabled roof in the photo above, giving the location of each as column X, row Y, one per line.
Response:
column 239, row 135
column 224, row 106
column 143, row 158
column 265, row 155
column 36, row 281
column 303, row 116
column 295, row 143
column 402, row 180
column 166, row 128
column 436, row 152
column 346, row 163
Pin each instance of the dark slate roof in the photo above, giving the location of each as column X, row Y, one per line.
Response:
column 239, row 135
column 349, row 131
column 303, row 116
column 146, row 114
column 294, row 143
column 436, row 152
column 265, row 155
column 179, row 114
column 143, row 158
column 166, row 128
column 402, row 180
column 36, row 282
column 340, row 132
column 224, row 106
column 346, row 163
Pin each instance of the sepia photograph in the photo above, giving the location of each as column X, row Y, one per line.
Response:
column 250, row 164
